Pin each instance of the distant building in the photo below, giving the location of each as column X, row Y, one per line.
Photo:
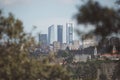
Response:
column 75, row 45
column 63, row 46
column 69, row 46
column 114, row 50
column 89, row 42
column 43, row 38
column 43, row 47
column 110, row 56
column 60, row 33
column 69, row 33
column 56, row 46
column 51, row 34
column 95, row 51
column 51, row 47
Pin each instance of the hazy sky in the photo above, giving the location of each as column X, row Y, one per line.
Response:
column 43, row 13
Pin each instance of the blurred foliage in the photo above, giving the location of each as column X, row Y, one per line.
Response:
column 116, row 74
column 84, row 71
column 106, row 20
column 103, row 77
column 15, row 60
column 118, row 2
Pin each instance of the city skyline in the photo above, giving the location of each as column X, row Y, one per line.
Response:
column 57, row 33
column 42, row 13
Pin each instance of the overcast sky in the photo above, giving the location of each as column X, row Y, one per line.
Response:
column 43, row 13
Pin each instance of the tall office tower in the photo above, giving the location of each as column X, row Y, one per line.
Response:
column 60, row 33
column 43, row 39
column 51, row 34
column 69, row 33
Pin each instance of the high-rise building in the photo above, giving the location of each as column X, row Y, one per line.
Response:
column 69, row 33
column 43, row 39
column 51, row 34
column 60, row 33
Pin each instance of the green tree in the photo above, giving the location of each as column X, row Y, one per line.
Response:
column 15, row 61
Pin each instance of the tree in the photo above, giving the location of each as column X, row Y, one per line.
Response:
column 105, row 20
column 118, row 2
column 103, row 77
column 15, row 60
column 116, row 72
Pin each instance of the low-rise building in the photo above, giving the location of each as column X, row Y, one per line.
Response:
column 110, row 56
column 63, row 46
column 89, row 42
column 56, row 46
column 75, row 45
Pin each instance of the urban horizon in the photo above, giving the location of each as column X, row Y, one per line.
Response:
column 57, row 33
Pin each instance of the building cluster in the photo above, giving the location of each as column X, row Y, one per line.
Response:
column 49, row 40
column 82, row 50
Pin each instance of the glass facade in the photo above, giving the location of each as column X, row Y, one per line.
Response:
column 43, row 38
column 51, row 34
column 60, row 33
column 69, row 33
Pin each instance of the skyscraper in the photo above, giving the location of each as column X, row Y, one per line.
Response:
column 69, row 33
column 51, row 34
column 60, row 33
column 43, row 39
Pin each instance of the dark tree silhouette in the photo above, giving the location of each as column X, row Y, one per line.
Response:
column 105, row 20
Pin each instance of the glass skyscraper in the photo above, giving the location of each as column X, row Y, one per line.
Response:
column 69, row 33
column 60, row 33
column 51, row 34
column 43, row 39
